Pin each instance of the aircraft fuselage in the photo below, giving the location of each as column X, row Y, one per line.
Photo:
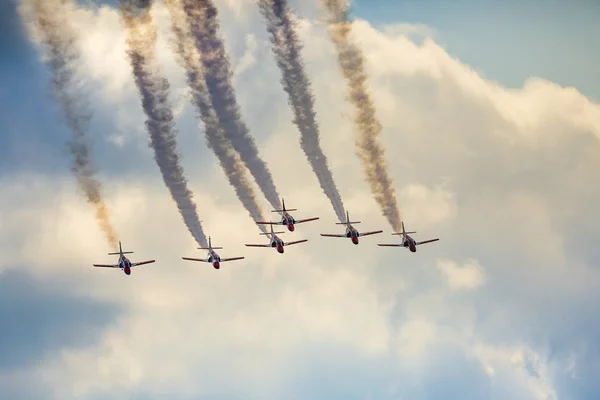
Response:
column 125, row 265
column 214, row 259
column 288, row 220
column 278, row 244
column 352, row 234
column 411, row 244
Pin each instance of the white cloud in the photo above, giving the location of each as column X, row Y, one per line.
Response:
column 467, row 276
column 482, row 167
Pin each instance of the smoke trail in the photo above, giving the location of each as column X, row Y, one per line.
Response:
column 154, row 90
column 204, row 26
column 229, row 160
column 287, row 48
column 370, row 152
column 49, row 20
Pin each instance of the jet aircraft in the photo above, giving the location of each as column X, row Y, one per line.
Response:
column 408, row 241
column 287, row 219
column 212, row 256
column 275, row 241
column 123, row 262
column 351, row 232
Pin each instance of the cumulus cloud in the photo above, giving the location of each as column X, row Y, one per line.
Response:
column 468, row 276
column 504, row 177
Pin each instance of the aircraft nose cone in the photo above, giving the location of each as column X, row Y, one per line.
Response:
column 217, row 265
column 280, row 249
column 291, row 227
column 127, row 271
column 355, row 240
column 413, row 249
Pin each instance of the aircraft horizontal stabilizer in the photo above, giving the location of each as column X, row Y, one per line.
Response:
column 206, row 248
column 287, row 209
column 346, row 223
column 117, row 254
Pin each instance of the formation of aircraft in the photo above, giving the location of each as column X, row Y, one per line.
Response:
column 123, row 262
column 351, row 232
column 287, row 219
column 408, row 241
column 275, row 241
column 212, row 256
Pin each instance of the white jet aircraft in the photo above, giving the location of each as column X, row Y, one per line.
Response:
column 212, row 257
column 351, row 232
column 123, row 262
column 275, row 241
column 408, row 241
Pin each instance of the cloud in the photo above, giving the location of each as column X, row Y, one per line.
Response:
column 468, row 276
column 504, row 177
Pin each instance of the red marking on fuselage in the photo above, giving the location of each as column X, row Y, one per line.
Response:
column 216, row 265
column 291, row 227
column 354, row 240
column 127, row 271
column 280, row 249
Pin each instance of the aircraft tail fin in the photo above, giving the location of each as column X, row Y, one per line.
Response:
column 347, row 220
column 283, row 209
column 120, row 251
column 403, row 231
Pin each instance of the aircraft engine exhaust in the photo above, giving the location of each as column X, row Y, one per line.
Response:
column 204, row 27
column 154, row 92
column 351, row 62
column 287, row 51
column 189, row 59
column 48, row 21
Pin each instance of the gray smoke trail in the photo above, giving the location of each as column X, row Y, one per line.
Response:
column 204, row 27
column 154, row 91
column 370, row 152
column 190, row 60
column 49, row 20
column 287, row 48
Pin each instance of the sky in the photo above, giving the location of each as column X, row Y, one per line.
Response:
column 491, row 128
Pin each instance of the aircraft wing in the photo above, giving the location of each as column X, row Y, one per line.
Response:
column 231, row 259
column 307, row 220
column 142, row 263
column 195, row 259
column 295, row 242
column 269, row 223
column 369, row 233
column 427, row 241
column 391, row 245
column 258, row 245
column 107, row 265
column 342, row 235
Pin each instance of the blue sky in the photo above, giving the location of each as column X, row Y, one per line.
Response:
column 507, row 178
column 552, row 39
